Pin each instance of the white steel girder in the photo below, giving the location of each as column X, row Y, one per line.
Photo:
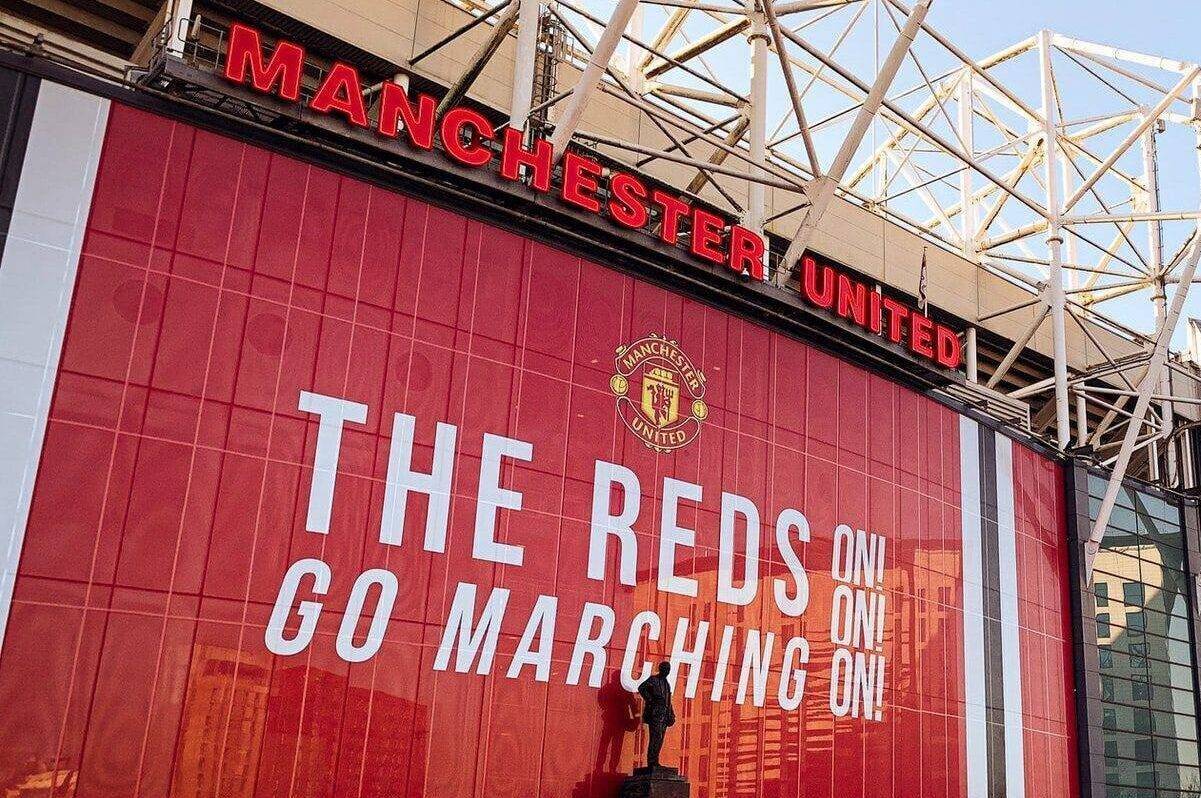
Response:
column 1048, row 186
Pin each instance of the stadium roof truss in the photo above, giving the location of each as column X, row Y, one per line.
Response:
column 1067, row 168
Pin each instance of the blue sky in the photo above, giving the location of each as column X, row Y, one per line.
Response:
column 1161, row 27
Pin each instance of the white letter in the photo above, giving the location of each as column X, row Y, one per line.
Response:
column 865, row 558
column 790, row 519
column 723, row 660
column 345, row 646
column 585, row 643
column 755, row 665
column 693, row 659
column 459, row 632
column 732, row 504
column 647, row 619
column 791, row 699
column 402, row 479
column 844, row 553
column 620, row 525
column 307, row 610
column 672, row 535
column 841, row 679
column 842, row 610
column 866, row 620
column 333, row 413
column 493, row 496
column 541, row 623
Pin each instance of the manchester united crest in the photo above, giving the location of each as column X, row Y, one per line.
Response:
column 660, row 394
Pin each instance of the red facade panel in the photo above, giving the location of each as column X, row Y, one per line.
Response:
column 219, row 283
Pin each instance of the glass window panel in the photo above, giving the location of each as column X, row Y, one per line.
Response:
column 1138, row 655
column 1169, row 724
column 1133, row 594
column 1103, row 628
column 1178, row 651
column 1153, row 655
column 1135, row 621
column 1127, row 772
column 1118, row 566
column 1143, row 613
column 1171, row 751
column 1167, row 699
column 1177, row 777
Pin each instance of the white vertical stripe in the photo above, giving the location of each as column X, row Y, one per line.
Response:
column 37, row 278
column 1011, row 658
column 973, row 609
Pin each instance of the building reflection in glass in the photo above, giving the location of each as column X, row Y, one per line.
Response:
column 1146, row 651
column 235, row 703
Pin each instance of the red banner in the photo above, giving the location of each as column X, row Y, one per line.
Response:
column 345, row 494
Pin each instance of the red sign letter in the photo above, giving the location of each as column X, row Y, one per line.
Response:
column 394, row 102
column 453, row 122
column 626, row 200
column 746, row 251
column 514, row 155
column 673, row 209
column 245, row 50
column 825, row 297
column 579, row 176
column 706, row 235
column 852, row 300
column 949, row 348
column 921, row 334
column 896, row 315
column 341, row 91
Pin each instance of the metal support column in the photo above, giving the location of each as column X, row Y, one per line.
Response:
column 1146, row 388
column 970, row 355
column 1053, row 293
column 1081, row 419
column 479, row 60
column 967, row 201
column 594, row 70
column 177, row 32
column 757, row 115
column 820, row 190
column 1156, row 264
column 528, row 13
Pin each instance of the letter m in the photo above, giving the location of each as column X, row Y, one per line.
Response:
column 246, row 52
column 459, row 630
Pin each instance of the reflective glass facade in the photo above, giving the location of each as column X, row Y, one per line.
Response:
column 1145, row 647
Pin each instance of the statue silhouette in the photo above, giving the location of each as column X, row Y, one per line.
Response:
column 657, row 713
column 619, row 717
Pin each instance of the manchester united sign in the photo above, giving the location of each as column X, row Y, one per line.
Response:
column 667, row 407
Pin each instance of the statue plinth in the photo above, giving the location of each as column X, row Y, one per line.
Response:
column 656, row 782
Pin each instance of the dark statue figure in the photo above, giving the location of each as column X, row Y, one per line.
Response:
column 657, row 713
column 655, row 780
